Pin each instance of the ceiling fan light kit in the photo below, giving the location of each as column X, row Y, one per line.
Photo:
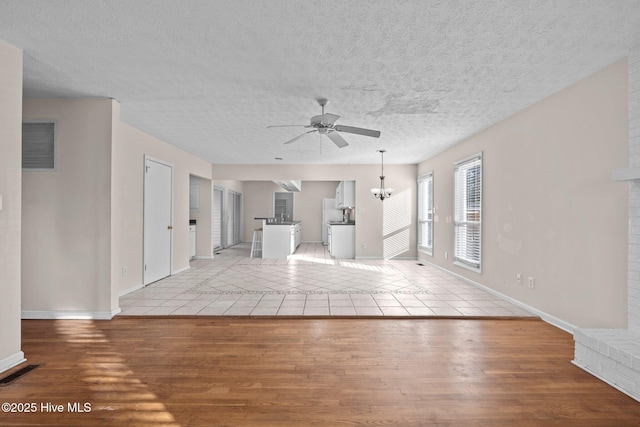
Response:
column 324, row 124
column 382, row 193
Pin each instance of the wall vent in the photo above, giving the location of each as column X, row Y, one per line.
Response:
column 17, row 374
column 38, row 146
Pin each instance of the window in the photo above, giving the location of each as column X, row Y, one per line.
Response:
column 468, row 212
column 38, row 146
column 425, row 213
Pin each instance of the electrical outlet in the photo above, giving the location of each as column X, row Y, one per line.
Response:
column 519, row 278
column 364, row 246
column 446, row 255
column 532, row 283
column 124, row 271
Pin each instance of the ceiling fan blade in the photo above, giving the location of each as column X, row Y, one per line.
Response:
column 337, row 139
column 287, row 126
column 329, row 118
column 358, row 131
column 326, row 118
column 299, row 136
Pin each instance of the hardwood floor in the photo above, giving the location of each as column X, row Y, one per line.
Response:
column 213, row 371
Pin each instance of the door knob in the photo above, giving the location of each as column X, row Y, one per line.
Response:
column 169, row 227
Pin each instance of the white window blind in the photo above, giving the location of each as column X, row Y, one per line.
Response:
column 38, row 146
column 468, row 212
column 425, row 213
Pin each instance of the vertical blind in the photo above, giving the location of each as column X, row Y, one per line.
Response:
column 234, row 210
column 425, row 213
column 38, row 145
column 217, row 218
column 468, row 211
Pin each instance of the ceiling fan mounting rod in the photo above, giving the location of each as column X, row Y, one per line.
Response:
column 322, row 102
column 324, row 124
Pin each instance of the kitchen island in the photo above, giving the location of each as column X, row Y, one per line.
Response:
column 342, row 236
column 280, row 238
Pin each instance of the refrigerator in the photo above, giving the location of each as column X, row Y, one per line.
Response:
column 329, row 213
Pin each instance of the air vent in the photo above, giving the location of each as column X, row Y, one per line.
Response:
column 17, row 374
column 38, row 146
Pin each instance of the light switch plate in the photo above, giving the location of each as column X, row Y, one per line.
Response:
column 0, row 202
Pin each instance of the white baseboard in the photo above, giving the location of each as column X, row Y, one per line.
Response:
column 552, row 320
column 132, row 289
column 69, row 314
column 603, row 379
column 203, row 257
column 180, row 270
column 11, row 361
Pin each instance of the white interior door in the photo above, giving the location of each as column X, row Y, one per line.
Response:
column 158, row 221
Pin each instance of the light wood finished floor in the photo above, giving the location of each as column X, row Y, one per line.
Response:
column 239, row 371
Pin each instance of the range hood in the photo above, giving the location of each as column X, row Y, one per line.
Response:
column 290, row 185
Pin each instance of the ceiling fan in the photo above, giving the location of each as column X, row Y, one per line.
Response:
column 324, row 124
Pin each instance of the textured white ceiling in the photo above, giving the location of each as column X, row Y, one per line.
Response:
column 210, row 76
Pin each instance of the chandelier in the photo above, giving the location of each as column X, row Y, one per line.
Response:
column 382, row 193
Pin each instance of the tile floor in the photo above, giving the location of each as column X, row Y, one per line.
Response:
column 312, row 283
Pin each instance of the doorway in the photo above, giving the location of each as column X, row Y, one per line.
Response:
column 158, row 220
column 218, row 197
column 234, row 221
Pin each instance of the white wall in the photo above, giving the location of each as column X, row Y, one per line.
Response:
column 375, row 238
column 66, row 216
column 257, row 198
column 83, row 222
column 307, row 206
column 11, row 195
column 634, row 192
column 130, row 145
column 550, row 209
column 203, row 218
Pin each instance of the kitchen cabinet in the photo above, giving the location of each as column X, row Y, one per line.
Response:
column 342, row 240
column 192, row 241
column 346, row 195
column 298, row 236
column 280, row 240
column 295, row 237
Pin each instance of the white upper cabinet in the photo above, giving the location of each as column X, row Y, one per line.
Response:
column 346, row 195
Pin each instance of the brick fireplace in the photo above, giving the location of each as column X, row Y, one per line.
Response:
column 613, row 355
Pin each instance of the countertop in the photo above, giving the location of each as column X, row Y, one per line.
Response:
column 342, row 223
column 274, row 221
